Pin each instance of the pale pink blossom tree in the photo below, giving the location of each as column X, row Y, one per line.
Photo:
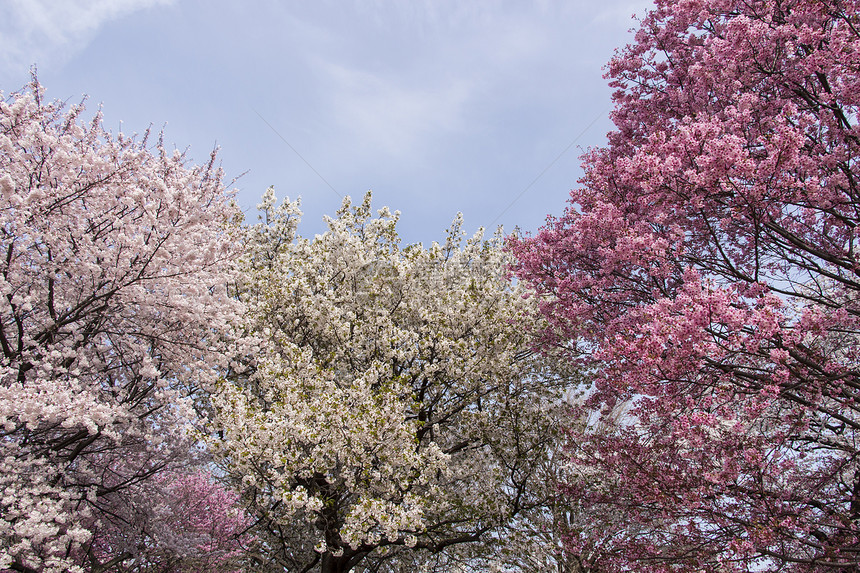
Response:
column 112, row 300
column 707, row 271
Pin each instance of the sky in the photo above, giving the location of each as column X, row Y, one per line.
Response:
column 437, row 106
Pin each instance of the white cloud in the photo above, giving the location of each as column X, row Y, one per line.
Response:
column 621, row 14
column 418, row 15
column 427, row 71
column 52, row 31
column 388, row 115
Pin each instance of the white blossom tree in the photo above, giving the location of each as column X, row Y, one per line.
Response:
column 113, row 257
column 388, row 408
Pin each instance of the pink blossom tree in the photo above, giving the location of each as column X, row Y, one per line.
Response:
column 176, row 522
column 112, row 298
column 707, row 271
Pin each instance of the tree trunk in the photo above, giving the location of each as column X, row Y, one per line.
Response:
column 332, row 564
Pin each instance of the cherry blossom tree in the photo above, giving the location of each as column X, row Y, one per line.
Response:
column 387, row 410
column 707, row 271
column 177, row 522
column 113, row 278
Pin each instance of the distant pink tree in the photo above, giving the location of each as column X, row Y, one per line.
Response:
column 707, row 271
column 114, row 255
column 176, row 522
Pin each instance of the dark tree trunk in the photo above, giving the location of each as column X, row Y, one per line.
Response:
column 332, row 564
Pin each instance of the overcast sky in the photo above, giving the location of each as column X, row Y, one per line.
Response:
column 438, row 106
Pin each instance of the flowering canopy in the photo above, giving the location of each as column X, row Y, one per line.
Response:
column 112, row 287
column 390, row 400
column 708, row 266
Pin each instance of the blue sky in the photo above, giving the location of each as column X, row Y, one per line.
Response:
column 437, row 106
